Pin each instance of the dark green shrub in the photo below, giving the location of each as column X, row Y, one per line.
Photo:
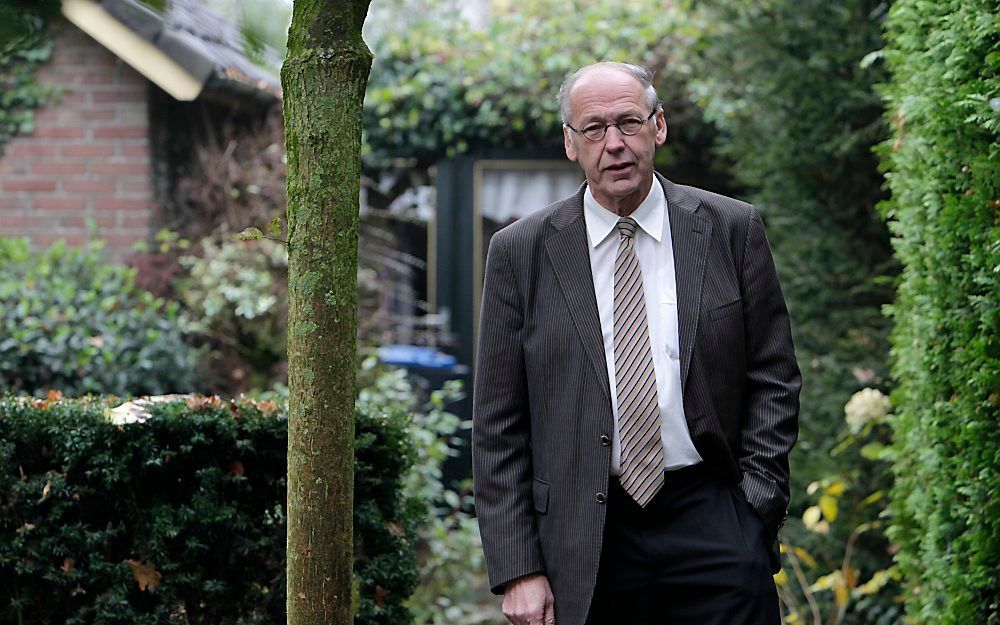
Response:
column 179, row 518
column 71, row 322
column 944, row 101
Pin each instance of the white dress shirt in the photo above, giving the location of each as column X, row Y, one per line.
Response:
column 654, row 248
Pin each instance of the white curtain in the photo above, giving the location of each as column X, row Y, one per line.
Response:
column 513, row 193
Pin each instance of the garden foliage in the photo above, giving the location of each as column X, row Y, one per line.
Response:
column 71, row 322
column 944, row 108
column 180, row 518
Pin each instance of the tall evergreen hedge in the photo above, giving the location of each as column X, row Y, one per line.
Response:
column 944, row 107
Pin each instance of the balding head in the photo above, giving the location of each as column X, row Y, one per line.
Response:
column 641, row 74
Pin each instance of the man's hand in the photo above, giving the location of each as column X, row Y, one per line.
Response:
column 528, row 601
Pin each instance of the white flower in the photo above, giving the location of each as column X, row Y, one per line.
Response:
column 866, row 406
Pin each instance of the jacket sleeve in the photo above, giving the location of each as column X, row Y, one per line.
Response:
column 501, row 428
column 769, row 422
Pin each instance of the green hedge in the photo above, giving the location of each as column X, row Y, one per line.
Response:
column 944, row 100
column 180, row 519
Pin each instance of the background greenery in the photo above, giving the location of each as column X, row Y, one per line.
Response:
column 944, row 109
column 774, row 101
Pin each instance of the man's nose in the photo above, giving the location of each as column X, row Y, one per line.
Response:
column 614, row 139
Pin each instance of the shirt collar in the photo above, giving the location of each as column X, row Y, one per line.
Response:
column 649, row 215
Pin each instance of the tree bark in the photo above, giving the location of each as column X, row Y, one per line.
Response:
column 323, row 80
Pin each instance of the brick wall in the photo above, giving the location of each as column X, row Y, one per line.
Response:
column 89, row 156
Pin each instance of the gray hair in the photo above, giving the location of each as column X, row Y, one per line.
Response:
column 643, row 75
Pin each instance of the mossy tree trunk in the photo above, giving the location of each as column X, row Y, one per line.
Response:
column 323, row 79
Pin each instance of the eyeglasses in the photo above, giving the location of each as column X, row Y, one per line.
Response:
column 628, row 126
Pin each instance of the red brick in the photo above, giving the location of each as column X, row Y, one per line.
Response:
column 59, row 132
column 118, row 204
column 29, row 184
column 135, row 220
column 13, row 203
column 121, row 169
column 75, row 220
column 16, row 221
column 100, row 115
column 104, row 220
column 15, row 167
column 134, row 150
column 137, row 185
column 121, row 243
column 97, row 78
column 29, row 149
column 50, row 114
column 121, row 132
column 44, row 234
column 72, row 98
column 102, row 59
column 118, row 95
column 58, row 168
column 88, row 150
column 101, row 185
column 59, row 203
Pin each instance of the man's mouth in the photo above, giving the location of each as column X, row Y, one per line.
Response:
column 618, row 167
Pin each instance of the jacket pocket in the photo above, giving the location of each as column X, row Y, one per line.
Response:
column 540, row 495
column 725, row 310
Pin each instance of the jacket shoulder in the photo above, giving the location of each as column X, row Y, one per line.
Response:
column 721, row 205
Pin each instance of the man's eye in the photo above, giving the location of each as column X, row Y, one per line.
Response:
column 593, row 128
column 630, row 121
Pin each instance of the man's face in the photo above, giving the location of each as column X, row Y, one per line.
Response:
column 619, row 167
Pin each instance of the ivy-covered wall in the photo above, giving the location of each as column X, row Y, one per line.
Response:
column 944, row 108
column 25, row 44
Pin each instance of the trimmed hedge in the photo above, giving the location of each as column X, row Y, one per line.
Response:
column 944, row 100
column 181, row 518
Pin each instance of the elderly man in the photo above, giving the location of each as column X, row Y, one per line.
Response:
column 636, row 392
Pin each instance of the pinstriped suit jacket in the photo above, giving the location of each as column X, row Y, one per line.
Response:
column 542, row 399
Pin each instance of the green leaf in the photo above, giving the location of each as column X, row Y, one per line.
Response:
column 251, row 233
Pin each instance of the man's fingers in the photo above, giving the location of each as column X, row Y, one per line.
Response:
column 528, row 601
column 549, row 617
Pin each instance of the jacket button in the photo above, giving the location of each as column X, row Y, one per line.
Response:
column 605, row 440
column 601, row 498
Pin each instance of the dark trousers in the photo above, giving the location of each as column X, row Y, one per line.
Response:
column 695, row 555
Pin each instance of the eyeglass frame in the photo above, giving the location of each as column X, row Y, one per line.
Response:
column 604, row 132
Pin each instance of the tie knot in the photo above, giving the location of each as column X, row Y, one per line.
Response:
column 626, row 227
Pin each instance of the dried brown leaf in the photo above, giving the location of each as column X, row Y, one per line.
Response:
column 145, row 574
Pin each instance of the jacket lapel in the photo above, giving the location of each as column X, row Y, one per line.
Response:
column 691, row 235
column 566, row 247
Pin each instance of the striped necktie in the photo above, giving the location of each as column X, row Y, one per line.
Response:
column 635, row 379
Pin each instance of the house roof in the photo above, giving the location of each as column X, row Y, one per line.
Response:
column 183, row 48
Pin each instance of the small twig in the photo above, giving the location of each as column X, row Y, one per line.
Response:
column 804, row 584
column 844, row 565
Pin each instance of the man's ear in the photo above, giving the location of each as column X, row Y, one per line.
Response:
column 568, row 143
column 661, row 128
